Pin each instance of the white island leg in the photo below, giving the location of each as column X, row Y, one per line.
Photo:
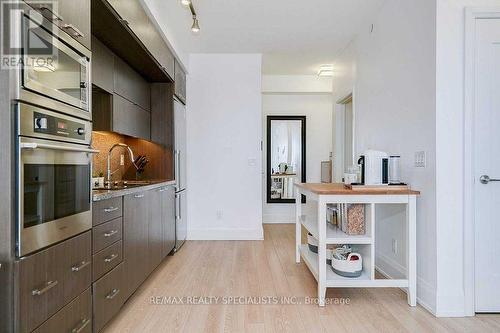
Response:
column 411, row 234
column 298, row 224
column 321, row 252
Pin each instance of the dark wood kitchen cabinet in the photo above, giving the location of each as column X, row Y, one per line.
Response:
column 161, row 224
column 108, row 296
column 73, row 17
column 102, row 66
column 130, row 85
column 155, row 241
column 146, row 31
column 76, row 20
column 168, row 219
column 49, row 279
column 130, row 119
column 135, row 240
column 74, row 317
column 162, row 114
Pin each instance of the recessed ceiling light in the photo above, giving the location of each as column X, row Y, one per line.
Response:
column 325, row 70
column 186, row 2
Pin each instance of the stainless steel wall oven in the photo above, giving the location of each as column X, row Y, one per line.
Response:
column 54, row 177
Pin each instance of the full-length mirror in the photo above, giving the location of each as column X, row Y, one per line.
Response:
column 286, row 156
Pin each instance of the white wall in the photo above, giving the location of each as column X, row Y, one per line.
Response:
column 224, row 131
column 449, row 148
column 296, row 95
column 392, row 74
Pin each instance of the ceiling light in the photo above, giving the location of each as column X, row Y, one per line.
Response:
column 196, row 26
column 325, row 70
column 186, row 2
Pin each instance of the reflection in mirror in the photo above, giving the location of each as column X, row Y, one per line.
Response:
column 285, row 157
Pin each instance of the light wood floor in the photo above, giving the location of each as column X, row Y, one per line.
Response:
column 267, row 268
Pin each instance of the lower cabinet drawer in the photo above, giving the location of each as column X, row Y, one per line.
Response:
column 50, row 279
column 107, row 259
column 106, row 234
column 74, row 317
column 108, row 297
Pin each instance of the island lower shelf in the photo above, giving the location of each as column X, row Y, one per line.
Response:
column 366, row 280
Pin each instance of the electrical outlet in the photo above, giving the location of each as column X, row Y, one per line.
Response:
column 122, row 159
column 420, row 159
column 394, row 246
column 219, row 214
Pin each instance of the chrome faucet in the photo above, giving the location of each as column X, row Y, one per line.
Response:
column 131, row 154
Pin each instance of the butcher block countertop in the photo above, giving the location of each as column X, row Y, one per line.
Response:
column 340, row 189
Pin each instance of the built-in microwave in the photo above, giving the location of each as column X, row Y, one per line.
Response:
column 54, row 177
column 54, row 64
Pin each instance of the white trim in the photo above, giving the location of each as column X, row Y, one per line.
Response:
column 225, row 234
column 471, row 15
column 341, row 102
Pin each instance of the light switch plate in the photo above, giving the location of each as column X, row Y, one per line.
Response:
column 420, row 159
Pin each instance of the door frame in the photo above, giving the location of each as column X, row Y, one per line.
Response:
column 471, row 15
column 340, row 105
column 303, row 140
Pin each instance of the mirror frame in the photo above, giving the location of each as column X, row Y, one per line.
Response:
column 302, row 119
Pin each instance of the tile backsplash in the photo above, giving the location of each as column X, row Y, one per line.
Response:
column 160, row 164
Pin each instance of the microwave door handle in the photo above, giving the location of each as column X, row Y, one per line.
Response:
column 33, row 145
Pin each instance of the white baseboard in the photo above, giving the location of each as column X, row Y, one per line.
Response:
column 277, row 219
column 225, row 234
column 278, row 222
column 426, row 294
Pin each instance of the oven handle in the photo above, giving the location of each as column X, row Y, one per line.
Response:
column 33, row 145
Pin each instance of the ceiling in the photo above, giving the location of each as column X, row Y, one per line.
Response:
column 294, row 36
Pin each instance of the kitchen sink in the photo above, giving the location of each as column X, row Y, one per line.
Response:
column 125, row 184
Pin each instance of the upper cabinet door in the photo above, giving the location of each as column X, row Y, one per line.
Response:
column 129, row 84
column 76, row 20
column 139, row 22
column 71, row 16
column 180, row 82
column 102, row 66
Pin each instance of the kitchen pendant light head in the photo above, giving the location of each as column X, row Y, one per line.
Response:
column 196, row 26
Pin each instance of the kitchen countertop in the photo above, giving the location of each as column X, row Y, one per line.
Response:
column 339, row 189
column 98, row 195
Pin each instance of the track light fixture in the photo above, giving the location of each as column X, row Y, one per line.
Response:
column 195, row 27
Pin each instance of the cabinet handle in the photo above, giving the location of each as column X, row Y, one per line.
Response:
column 82, row 265
column 138, row 196
column 76, row 32
column 112, row 294
column 110, row 258
column 110, row 209
column 84, row 323
column 49, row 285
column 110, row 233
column 55, row 17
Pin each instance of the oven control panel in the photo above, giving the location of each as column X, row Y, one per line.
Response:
column 47, row 124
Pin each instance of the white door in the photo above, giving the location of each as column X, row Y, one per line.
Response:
column 487, row 163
